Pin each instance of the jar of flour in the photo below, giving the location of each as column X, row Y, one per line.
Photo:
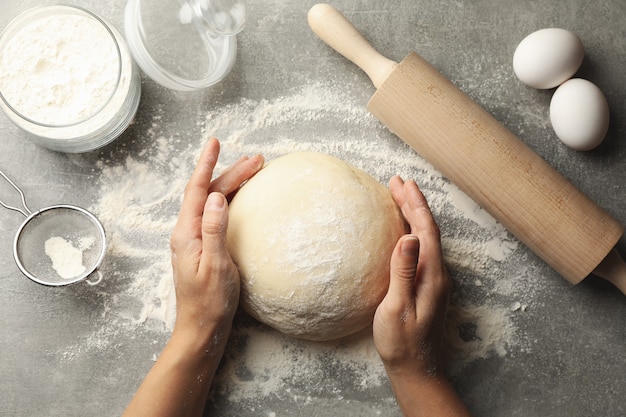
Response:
column 67, row 78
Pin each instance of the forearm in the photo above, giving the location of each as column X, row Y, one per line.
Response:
column 179, row 382
column 426, row 396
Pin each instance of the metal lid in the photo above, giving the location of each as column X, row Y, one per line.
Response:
column 187, row 44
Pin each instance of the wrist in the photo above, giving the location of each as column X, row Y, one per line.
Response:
column 180, row 380
column 419, row 378
column 425, row 394
column 206, row 340
column 426, row 367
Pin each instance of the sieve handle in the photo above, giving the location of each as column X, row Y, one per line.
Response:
column 98, row 279
column 24, row 210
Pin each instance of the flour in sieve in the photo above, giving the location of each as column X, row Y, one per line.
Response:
column 139, row 201
column 67, row 260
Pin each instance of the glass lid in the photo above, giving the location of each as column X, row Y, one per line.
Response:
column 184, row 45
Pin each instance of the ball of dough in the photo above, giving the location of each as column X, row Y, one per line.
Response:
column 312, row 237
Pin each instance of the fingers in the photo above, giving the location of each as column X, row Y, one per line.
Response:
column 417, row 213
column 214, row 224
column 232, row 178
column 197, row 190
column 201, row 185
column 404, row 260
column 396, row 185
column 432, row 274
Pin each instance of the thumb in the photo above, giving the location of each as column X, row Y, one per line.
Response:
column 403, row 268
column 214, row 224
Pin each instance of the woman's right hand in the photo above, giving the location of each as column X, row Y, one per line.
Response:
column 409, row 322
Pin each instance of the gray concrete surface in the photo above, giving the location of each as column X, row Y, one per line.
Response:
column 72, row 351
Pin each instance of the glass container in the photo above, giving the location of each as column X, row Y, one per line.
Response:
column 67, row 78
column 184, row 45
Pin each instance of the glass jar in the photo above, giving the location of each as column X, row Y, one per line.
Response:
column 67, row 78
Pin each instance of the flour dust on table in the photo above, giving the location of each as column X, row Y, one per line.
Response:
column 139, row 201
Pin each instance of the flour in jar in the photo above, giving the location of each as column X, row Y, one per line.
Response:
column 59, row 69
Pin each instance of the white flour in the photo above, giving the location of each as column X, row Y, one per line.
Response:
column 59, row 69
column 67, row 260
column 139, row 203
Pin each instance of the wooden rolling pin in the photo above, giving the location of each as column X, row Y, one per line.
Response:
column 484, row 159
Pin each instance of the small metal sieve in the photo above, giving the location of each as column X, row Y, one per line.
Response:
column 58, row 245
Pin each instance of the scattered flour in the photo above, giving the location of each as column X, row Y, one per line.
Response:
column 272, row 364
column 139, row 201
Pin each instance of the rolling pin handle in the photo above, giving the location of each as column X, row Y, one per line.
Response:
column 613, row 269
column 334, row 29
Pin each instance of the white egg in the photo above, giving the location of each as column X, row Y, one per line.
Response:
column 548, row 57
column 579, row 114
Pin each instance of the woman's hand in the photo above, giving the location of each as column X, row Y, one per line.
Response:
column 206, row 279
column 408, row 326
column 409, row 322
column 207, row 293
